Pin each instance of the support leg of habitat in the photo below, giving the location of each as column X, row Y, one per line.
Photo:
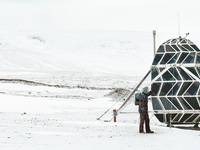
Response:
column 196, row 125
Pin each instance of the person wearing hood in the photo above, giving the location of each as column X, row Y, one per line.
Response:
column 143, row 111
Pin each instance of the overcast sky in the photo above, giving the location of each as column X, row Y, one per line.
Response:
column 134, row 15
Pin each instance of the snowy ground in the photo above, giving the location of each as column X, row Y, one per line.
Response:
column 37, row 117
column 35, row 45
column 38, row 123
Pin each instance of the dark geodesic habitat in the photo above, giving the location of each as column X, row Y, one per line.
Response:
column 175, row 75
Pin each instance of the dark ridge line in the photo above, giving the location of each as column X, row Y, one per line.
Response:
column 50, row 96
column 28, row 82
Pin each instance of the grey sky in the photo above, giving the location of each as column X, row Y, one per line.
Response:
column 161, row 15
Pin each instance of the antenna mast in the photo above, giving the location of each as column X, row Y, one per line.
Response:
column 154, row 41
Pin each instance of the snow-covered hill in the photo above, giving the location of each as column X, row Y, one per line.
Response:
column 55, row 82
column 106, row 52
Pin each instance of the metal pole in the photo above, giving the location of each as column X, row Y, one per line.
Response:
column 131, row 94
column 154, row 41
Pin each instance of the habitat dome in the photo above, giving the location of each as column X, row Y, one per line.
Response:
column 175, row 85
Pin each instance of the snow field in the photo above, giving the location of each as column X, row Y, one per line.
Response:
column 38, row 123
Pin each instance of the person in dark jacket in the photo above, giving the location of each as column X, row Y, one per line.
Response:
column 143, row 110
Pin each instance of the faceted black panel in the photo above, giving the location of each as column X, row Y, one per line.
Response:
column 185, row 117
column 182, row 48
column 184, row 87
column 185, row 105
column 157, row 59
column 190, row 58
column 174, row 59
column 166, row 58
column 161, row 49
column 170, row 117
column 166, row 103
column 183, row 41
column 198, row 58
column 198, row 70
column 182, row 57
column 195, row 47
column 193, row 89
column 184, row 75
column 193, row 71
column 156, row 104
column 175, row 47
column 193, row 102
column 175, row 73
column 177, row 118
column 155, row 87
column 169, row 48
column 160, row 117
column 167, row 76
column 176, row 90
column 192, row 119
column 166, row 88
column 154, row 72
column 197, row 119
column 188, row 47
column 175, row 102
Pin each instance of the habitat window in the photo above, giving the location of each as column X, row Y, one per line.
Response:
column 191, row 120
column 160, row 117
column 167, row 76
column 193, row 89
column 175, row 73
column 198, row 119
column 182, row 57
column 169, row 48
column 185, row 105
column 198, row 58
column 174, row 90
column 174, row 41
column 184, row 75
column 183, row 41
column 184, row 87
column 188, row 47
column 193, row 70
column 166, row 87
column 167, row 105
column 198, row 70
column 174, row 59
column 175, row 47
column 157, row 58
column 175, row 102
column 156, row 104
column 170, row 117
column 161, row 69
column 185, row 117
column 161, row 49
column 177, row 118
column 155, row 88
column 182, row 48
column 167, row 57
column 190, row 58
column 195, row 47
column 193, row 102
column 154, row 72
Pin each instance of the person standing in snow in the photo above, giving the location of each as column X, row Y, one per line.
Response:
column 143, row 110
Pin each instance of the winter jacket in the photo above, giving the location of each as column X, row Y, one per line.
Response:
column 143, row 102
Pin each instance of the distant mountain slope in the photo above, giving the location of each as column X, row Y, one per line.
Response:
column 124, row 53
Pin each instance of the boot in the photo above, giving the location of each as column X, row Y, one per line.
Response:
column 150, row 131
